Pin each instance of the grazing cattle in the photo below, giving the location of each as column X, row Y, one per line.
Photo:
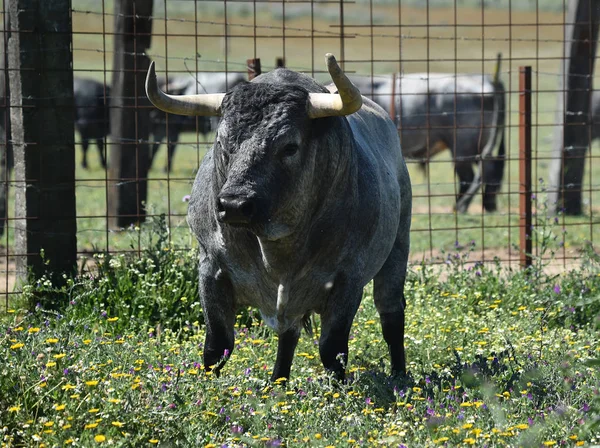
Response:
column 169, row 129
column 463, row 113
column 303, row 198
column 91, row 115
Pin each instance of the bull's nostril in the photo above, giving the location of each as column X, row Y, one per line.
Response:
column 247, row 209
column 235, row 210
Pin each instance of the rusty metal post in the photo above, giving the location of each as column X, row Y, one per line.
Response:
column 525, row 212
column 253, row 68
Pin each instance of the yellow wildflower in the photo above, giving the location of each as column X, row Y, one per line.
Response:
column 113, row 319
column 59, row 356
column 118, row 424
column 59, row 407
column 90, row 425
column 51, row 341
column 92, row 383
column 17, row 346
column 99, row 438
column 33, row 330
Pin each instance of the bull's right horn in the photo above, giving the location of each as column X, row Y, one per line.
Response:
column 204, row 105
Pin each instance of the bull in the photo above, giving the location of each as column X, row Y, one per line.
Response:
column 303, row 198
column 91, row 115
column 464, row 113
column 169, row 129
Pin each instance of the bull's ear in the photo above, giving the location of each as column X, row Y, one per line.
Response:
column 346, row 102
column 208, row 105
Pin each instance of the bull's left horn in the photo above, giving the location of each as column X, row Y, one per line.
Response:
column 205, row 105
column 346, row 102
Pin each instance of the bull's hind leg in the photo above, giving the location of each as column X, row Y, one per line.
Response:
column 464, row 171
column 216, row 295
column 388, row 293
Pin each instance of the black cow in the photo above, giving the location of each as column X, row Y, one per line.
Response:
column 91, row 115
column 302, row 200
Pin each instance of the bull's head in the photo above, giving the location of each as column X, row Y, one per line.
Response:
column 267, row 145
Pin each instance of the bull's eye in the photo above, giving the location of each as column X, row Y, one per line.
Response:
column 289, row 150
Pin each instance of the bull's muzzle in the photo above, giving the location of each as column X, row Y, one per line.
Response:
column 236, row 210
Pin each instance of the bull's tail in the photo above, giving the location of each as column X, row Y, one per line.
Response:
column 496, row 140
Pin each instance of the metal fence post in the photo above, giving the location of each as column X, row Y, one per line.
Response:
column 525, row 212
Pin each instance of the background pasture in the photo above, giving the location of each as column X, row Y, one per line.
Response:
column 442, row 38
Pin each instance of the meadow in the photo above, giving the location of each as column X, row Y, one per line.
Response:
column 495, row 358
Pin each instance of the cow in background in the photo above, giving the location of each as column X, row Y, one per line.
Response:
column 92, row 115
column 437, row 111
column 168, row 128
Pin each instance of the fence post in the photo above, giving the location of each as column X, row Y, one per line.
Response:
column 525, row 212
column 6, row 157
column 572, row 135
column 42, row 123
column 279, row 62
column 253, row 68
column 129, row 160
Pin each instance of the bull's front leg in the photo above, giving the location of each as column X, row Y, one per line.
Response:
column 216, row 295
column 336, row 322
column 288, row 340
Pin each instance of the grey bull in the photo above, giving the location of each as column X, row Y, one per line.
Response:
column 303, row 198
column 464, row 113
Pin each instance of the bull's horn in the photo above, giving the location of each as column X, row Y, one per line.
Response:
column 205, row 105
column 346, row 102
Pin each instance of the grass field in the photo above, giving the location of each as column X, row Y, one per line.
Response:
column 495, row 358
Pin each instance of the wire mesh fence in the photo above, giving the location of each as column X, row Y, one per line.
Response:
column 434, row 66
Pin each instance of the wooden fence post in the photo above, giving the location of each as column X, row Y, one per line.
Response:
column 572, row 137
column 42, row 123
column 253, row 68
column 129, row 151
column 525, row 212
column 6, row 157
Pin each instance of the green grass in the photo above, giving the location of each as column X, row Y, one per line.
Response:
column 495, row 358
